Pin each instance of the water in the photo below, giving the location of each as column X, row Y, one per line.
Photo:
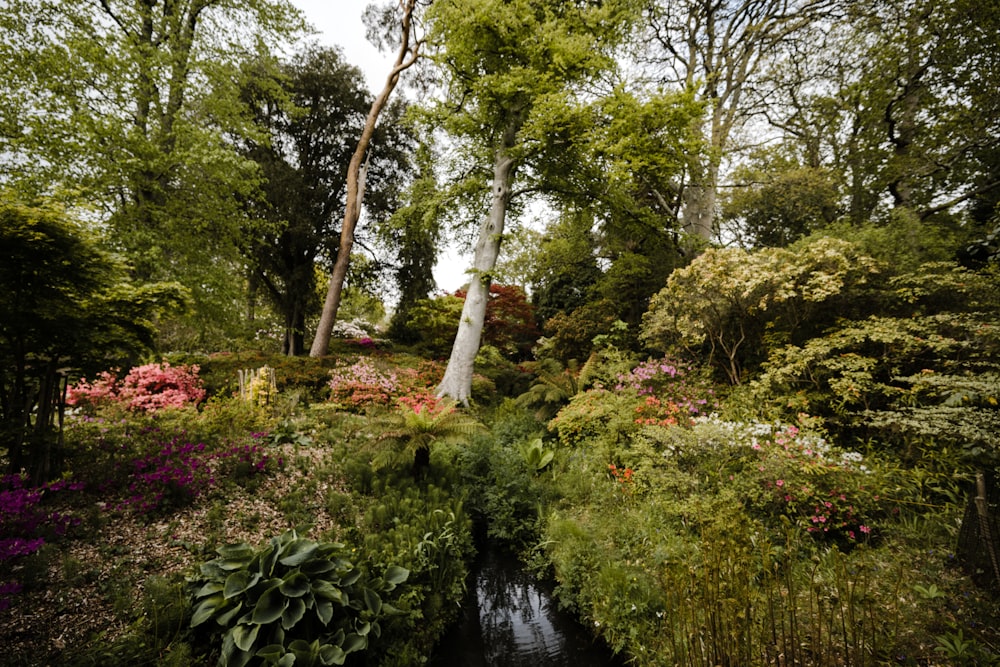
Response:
column 511, row 620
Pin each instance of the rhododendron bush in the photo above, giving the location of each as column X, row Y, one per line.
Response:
column 144, row 389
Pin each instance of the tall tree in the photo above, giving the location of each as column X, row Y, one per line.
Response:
column 313, row 109
column 65, row 305
column 721, row 49
column 128, row 104
column 510, row 67
column 410, row 44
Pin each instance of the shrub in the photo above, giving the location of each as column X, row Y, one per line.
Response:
column 144, row 389
column 294, row 597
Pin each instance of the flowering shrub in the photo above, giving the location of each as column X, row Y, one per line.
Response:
column 145, row 388
column 356, row 328
column 654, row 412
column 172, row 476
column 179, row 471
column 22, row 522
column 623, row 477
column 362, row 385
column 671, row 383
column 788, row 470
column 423, row 401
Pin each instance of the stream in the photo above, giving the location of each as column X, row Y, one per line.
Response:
column 511, row 620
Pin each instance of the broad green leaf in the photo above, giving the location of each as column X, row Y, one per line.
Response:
column 327, row 591
column 240, row 581
column 297, row 552
column 354, row 642
column 206, row 609
column 307, row 652
column 295, row 584
column 236, row 552
column 373, row 601
column 224, row 618
column 271, row 652
column 318, row 566
column 332, row 655
column 244, row 636
column 295, row 609
column 269, row 607
column 210, row 588
column 395, row 574
column 324, row 610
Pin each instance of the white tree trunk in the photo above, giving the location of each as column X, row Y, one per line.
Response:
column 457, row 381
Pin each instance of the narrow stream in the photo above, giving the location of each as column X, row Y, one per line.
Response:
column 511, row 620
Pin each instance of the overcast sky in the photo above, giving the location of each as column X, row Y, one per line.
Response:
column 339, row 23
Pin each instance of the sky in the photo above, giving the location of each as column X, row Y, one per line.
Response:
column 339, row 23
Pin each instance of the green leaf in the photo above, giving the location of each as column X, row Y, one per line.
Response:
column 318, row 566
column 372, row 601
column 354, row 642
column 294, row 611
column 244, row 636
column 324, row 611
column 271, row 653
column 240, row 581
column 295, row 584
column 298, row 552
column 206, row 609
column 327, row 591
column 241, row 551
column 287, row 660
column 210, row 588
column 330, row 654
column 270, row 607
column 395, row 574
column 224, row 618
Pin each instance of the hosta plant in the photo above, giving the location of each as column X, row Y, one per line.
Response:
column 294, row 602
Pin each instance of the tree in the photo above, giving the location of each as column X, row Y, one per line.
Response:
column 409, row 51
column 129, row 106
column 313, row 109
column 509, row 70
column 721, row 50
column 65, row 306
column 730, row 305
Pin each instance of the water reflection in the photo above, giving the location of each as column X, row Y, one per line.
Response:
column 510, row 620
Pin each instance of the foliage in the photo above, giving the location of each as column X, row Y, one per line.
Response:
column 26, row 525
column 411, row 430
column 729, row 304
column 422, row 526
column 571, row 336
column 292, row 601
column 926, row 375
column 510, row 321
column 553, row 387
column 145, row 388
column 140, row 133
column 64, row 304
column 313, row 109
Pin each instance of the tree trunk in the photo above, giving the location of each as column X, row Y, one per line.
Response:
column 409, row 51
column 457, row 380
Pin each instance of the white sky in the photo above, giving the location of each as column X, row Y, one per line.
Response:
column 339, row 23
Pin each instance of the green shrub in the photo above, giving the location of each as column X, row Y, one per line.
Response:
column 294, row 601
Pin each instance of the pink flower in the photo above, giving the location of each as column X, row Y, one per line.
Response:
column 864, row 529
column 780, row 482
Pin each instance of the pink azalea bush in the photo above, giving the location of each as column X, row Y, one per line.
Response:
column 362, row 384
column 145, row 388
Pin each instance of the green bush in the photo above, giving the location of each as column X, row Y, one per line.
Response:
column 295, row 601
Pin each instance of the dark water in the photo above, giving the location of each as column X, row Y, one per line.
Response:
column 510, row 620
